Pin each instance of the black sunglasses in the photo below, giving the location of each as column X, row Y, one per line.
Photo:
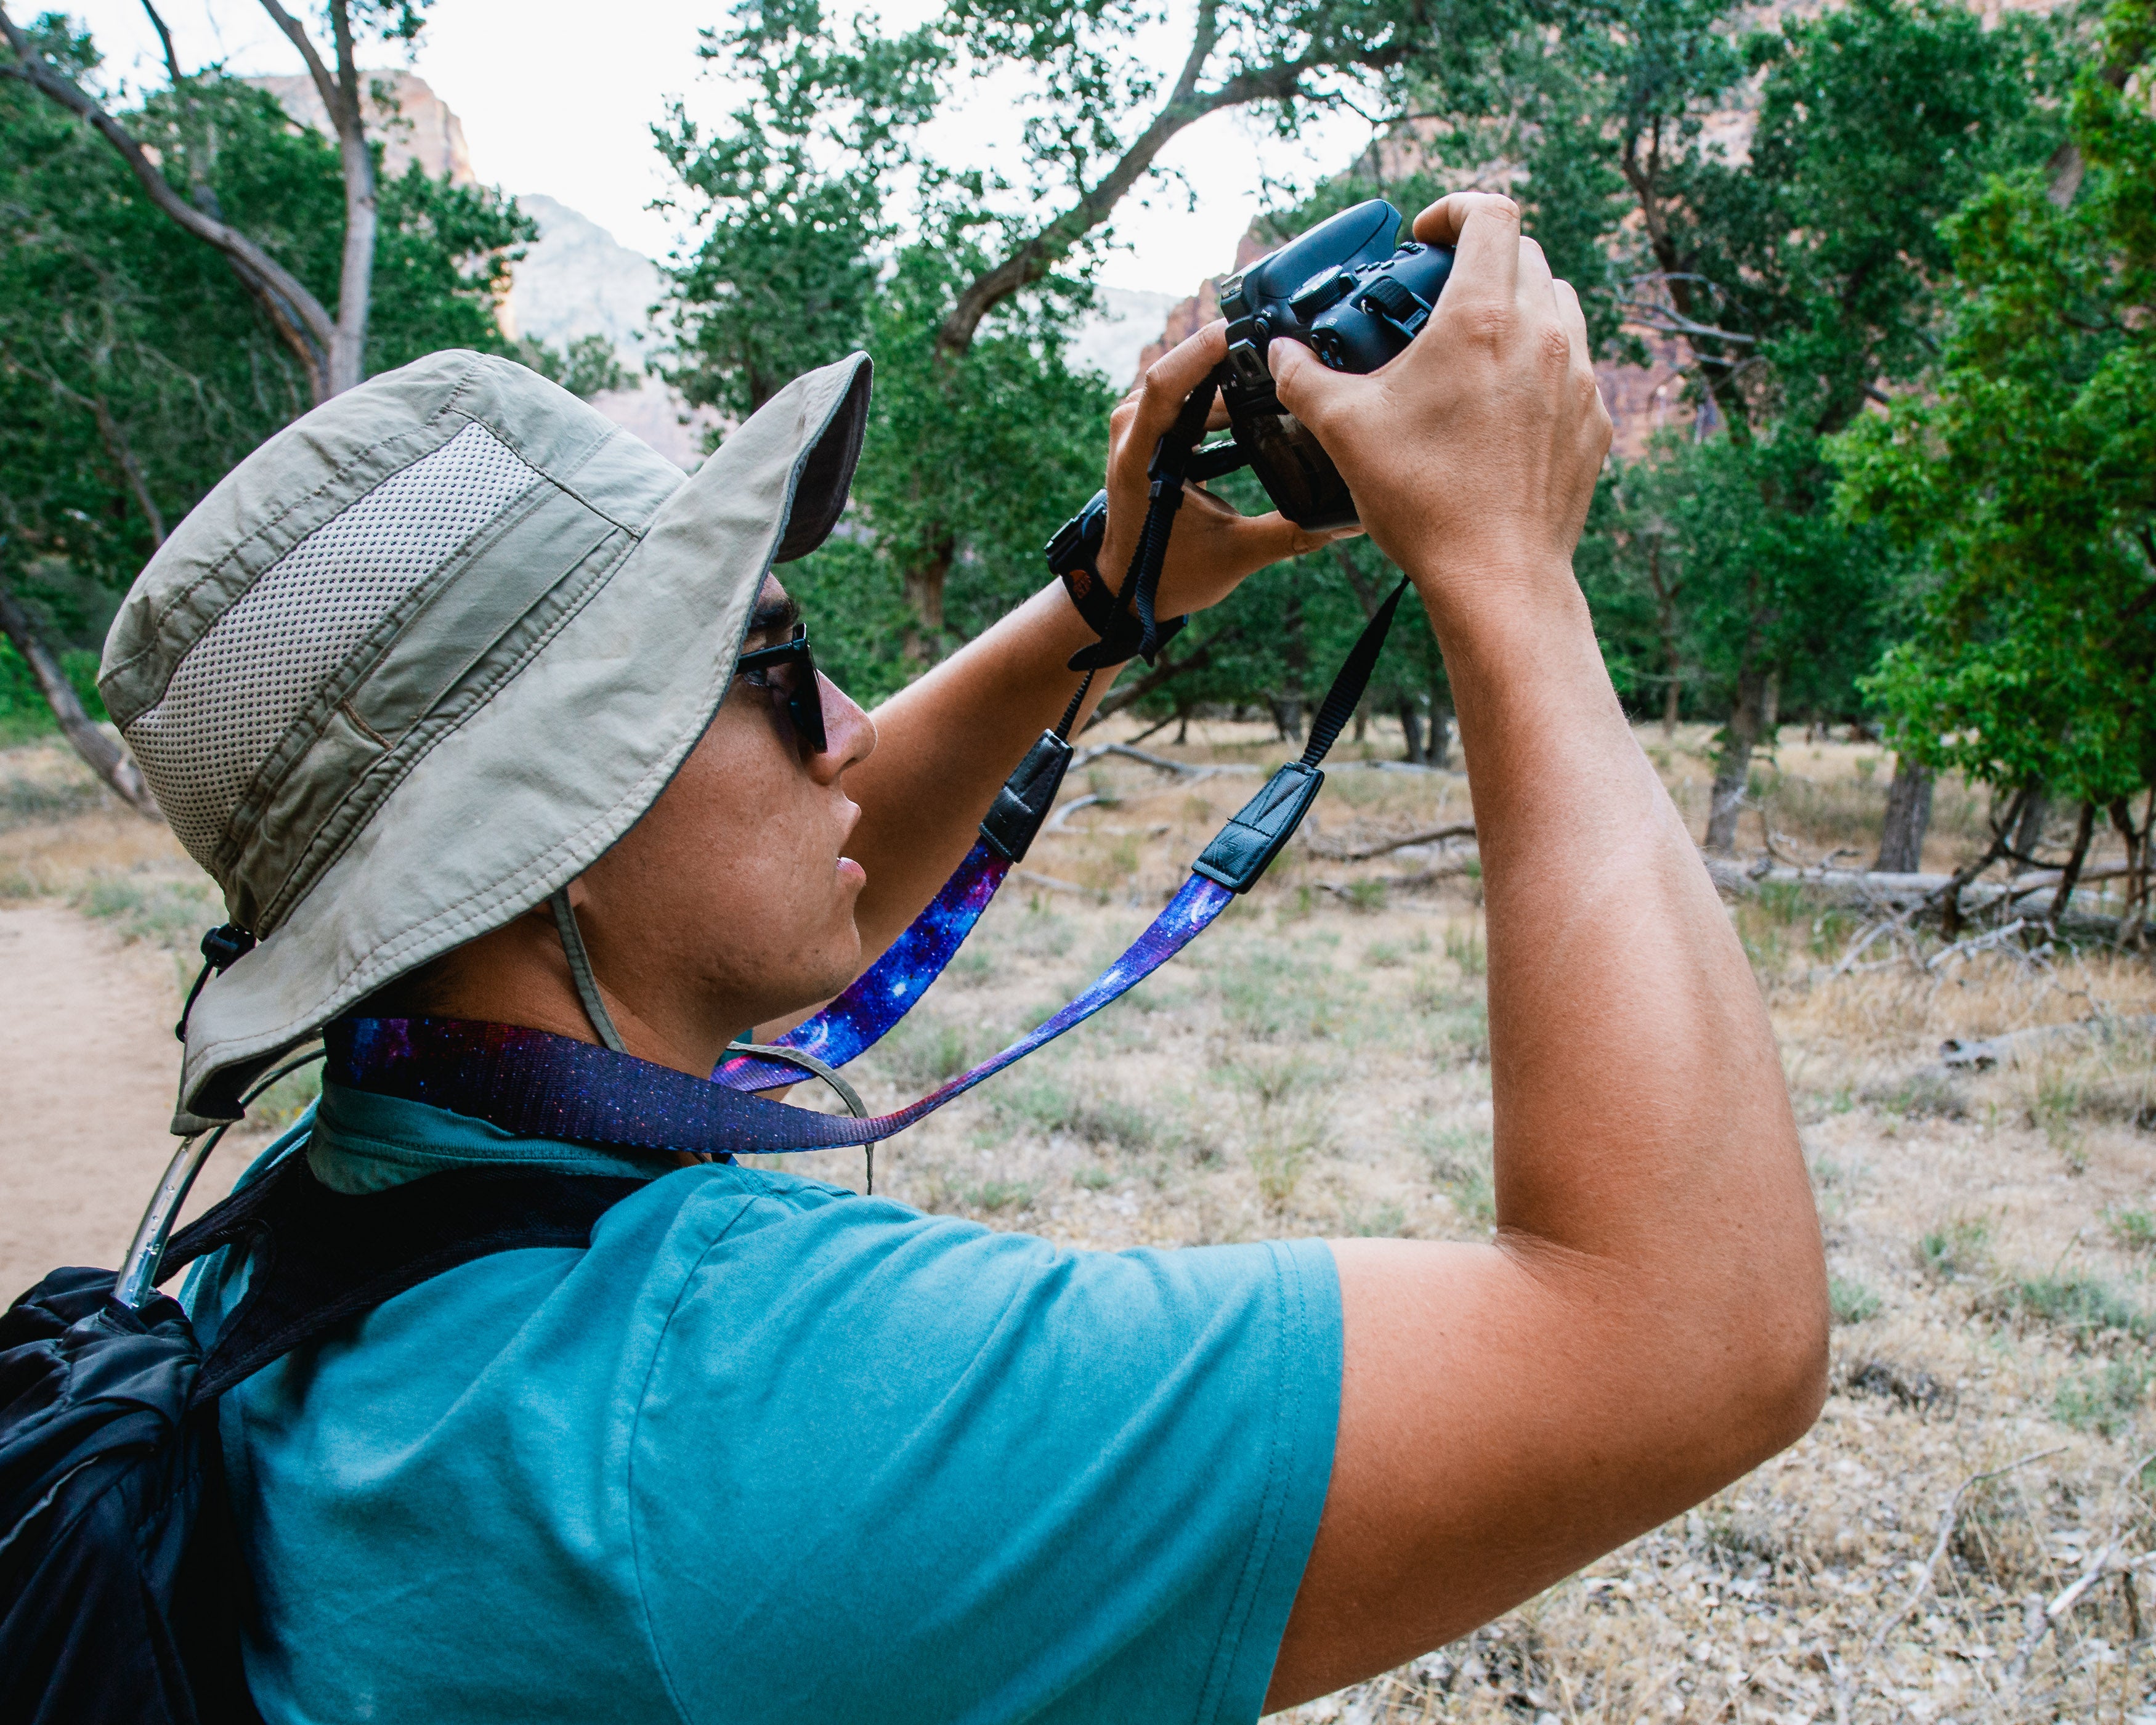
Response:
column 789, row 673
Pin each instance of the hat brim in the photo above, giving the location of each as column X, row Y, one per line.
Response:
column 540, row 780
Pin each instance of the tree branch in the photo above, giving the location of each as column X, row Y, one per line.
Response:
column 1185, row 106
column 109, row 762
column 1164, row 673
column 341, row 96
column 165, row 36
column 325, row 85
column 299, row 319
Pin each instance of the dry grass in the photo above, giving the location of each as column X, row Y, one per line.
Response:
column 1318, row 1064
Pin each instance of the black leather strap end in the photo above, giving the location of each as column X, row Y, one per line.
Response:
column 1243, row 850
column 1014, row 818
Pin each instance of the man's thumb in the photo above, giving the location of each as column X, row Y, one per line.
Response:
column 1307, row 388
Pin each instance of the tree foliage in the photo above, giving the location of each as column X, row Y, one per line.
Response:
column 1793, row 272
column 2027, row 483
column 134, row 367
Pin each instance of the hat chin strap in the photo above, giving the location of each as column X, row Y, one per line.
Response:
column 580, row 973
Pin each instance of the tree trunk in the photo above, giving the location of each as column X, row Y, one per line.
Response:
column 1908, row 818
column 1411, row 732
column 2029, row 830
column 2084, row 829
column 104, row 757
column 1666, row 623
column 924, row 595
column 300, row 322
column 1950, row 913
column 1287, row 716
column 2133, row 915
column 1733, row 771
column 343, row 92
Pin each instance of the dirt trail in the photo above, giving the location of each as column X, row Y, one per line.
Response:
column 88, row 1067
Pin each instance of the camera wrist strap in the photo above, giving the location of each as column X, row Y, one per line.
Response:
column 542, row 1086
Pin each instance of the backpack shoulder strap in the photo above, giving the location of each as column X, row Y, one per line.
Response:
column 322, row 1256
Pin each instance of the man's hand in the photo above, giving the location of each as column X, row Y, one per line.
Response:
column 1473, row 454
column 1214, row 548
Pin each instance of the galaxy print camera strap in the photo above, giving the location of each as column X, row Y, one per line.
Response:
column 536, row 1085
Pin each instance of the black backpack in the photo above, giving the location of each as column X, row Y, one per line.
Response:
column 122, row 1587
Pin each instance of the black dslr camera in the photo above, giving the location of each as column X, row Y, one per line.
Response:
column 1355, row 299
column 1346, row 292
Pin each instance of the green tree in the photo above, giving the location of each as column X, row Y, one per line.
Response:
column 2027, row 482
column 135, row 372
column 1796, row 279
column 177, row 171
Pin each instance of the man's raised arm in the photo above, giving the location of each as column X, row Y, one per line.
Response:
column 1651, row 1320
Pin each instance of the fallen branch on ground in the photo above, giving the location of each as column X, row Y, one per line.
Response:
column 1182, row 769
column 1364, row 853
column 1886, row 889
column 1057, row 820
column 1845, row 1684
column 1977, row 1056
column 2106, row 1559
column 1397, row 883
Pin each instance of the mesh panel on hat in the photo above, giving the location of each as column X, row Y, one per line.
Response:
column 258, row 665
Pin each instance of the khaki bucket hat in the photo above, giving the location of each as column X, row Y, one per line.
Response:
column 419, row 660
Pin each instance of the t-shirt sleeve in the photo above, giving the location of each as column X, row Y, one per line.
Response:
column 899, row 1467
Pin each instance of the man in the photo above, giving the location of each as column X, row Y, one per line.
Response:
column 446, row 675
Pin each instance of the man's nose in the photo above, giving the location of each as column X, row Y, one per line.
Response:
column 849, row 734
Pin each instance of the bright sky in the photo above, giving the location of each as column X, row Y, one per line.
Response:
column 557, row 100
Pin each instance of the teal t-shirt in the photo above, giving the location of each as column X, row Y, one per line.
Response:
column 773, row 1451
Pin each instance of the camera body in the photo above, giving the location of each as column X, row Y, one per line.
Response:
column 1347, row 292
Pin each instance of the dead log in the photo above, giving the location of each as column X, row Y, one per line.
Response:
column 1362, row 852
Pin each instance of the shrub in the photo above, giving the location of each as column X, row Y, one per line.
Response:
column 1850, row 1301
column 2103, row 1401
column 2133, row 1230
column 995, row 1195
column 2081, row 1306
column 1956, row 1248
column 1466, row 948
column 923, row 1053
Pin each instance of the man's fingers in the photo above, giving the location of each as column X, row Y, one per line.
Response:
column 1486, row 266
column 1535, row 277
column 1441, row 223
column 1307, row 387
column 1168, row 381
column 1573, row 317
